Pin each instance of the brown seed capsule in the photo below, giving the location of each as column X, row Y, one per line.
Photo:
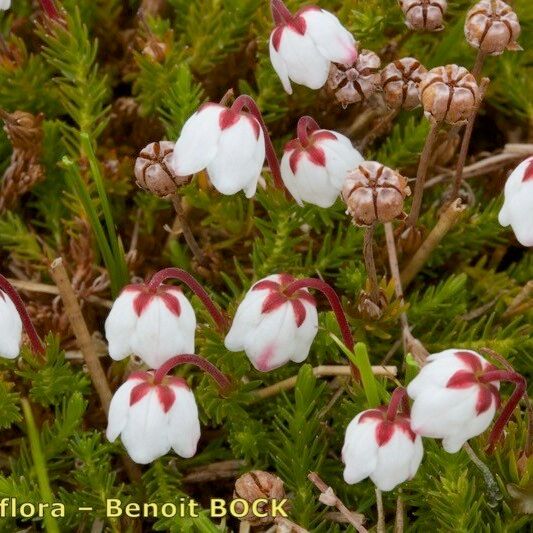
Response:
column 357, row 82
column 492, row 26
column 153, row 171
column 374, row 193
column 449, row 94
column 424, row 15
column 400, row 80
column 256, row 485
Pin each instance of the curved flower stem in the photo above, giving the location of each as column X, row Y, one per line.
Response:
column 507, row 411
column 465, row 143
column 334, row 302
column 305, row 126
column 50, row 9
column 421, row 174
column 190, row 281
column 398, row 398
column 14, row 296
column 280, row 13
column 192, row 359
column 370, row 265
column 245, row 101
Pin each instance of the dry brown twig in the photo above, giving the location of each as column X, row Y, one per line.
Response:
column 380, row 527
column 328, row 497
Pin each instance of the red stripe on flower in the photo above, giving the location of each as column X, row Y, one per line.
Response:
column 255, row 125
column 139, row 392
column 484, row 399
column 285, row 279
column 172, row 303
column 372, row 414
column 470, row 359
column 297, row 24
column 141, row 302
column 144, row 376
column 323, row 135
column 273, row 301
column 528, row 174
column 316, row 155
column 266, row 284
column 228, row 118
column 384, row 432
column 299, row 312
column 462, row 379
column 166, row 397
column 263, row 361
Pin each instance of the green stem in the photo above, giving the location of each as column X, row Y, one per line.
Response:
column 116, row 247
column 362, row 362
column 39, row 463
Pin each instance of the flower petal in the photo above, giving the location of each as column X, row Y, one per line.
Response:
column 197, row 144
column 280, row 67
column 10, row 328
column 119, row 409
column 183, row 423
column 120, row 325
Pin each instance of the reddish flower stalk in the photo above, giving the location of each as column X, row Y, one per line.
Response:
column 35, row 341
column 398, row 399
column 280, row 13
column 306, row 125
column 336, row 306
column 245, row 101
column 192, row 359
column 507, row 411
column 185, row 277
column 50, row 9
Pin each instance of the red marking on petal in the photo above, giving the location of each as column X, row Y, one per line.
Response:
column 166, row 397
column 145, row 376
column 139, row 392
column 134, row 287
column 263, row 362
column 2, row 295
column 273, row 301
column 316, row 155
column 484, row 399
column 172, row 303
column 266, row 284
column 294, row 158
column 528, row 174
column 384, row 432
column 141, row 302
column 285, row 279
column 323, row 135
column 253, row 122
column 299, row 312
column 372, row 414
column 495, row 393
column 294, row 144
column 462, row 379
column 298, row 24
column 404, row 424
column 308, row 297
column 276, row 37
column 470, row 359
column 227, row 119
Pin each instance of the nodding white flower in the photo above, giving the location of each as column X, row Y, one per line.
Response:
column 316, row 163
column 5, row 4
column 517, row 208
column 388, row 452
column 271, row 327
column 303, row 45
column 451, row 400
column 154, row 324
column 10, row 328
column 153, row 418
column 228, row 143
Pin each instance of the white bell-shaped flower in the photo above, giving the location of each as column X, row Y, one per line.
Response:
column 229, row 144
column 303, row 45
column 10, row 328
column 517, row 209
column 154, row 324
column 388, row 452
column 315, row 165
column 271, row 327
column 151, row 419
column 450, row 401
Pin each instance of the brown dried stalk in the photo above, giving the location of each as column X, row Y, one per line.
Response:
column 380, row 527
column 447, row 220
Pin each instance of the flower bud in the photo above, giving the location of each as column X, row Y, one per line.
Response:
column 256, row 485
column 492, row 26
column 355, row 82
column 153, row 171
column 449, row 93
column 400, row 80
column 424, row 15
column 374, row 193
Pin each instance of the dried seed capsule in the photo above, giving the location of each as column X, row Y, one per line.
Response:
column 357, row 82
column 449, row 94
column 400, row 80
column 492, row 26
column 256, row 485
column 374, row 193
column 153, row 171
column 424, row 15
